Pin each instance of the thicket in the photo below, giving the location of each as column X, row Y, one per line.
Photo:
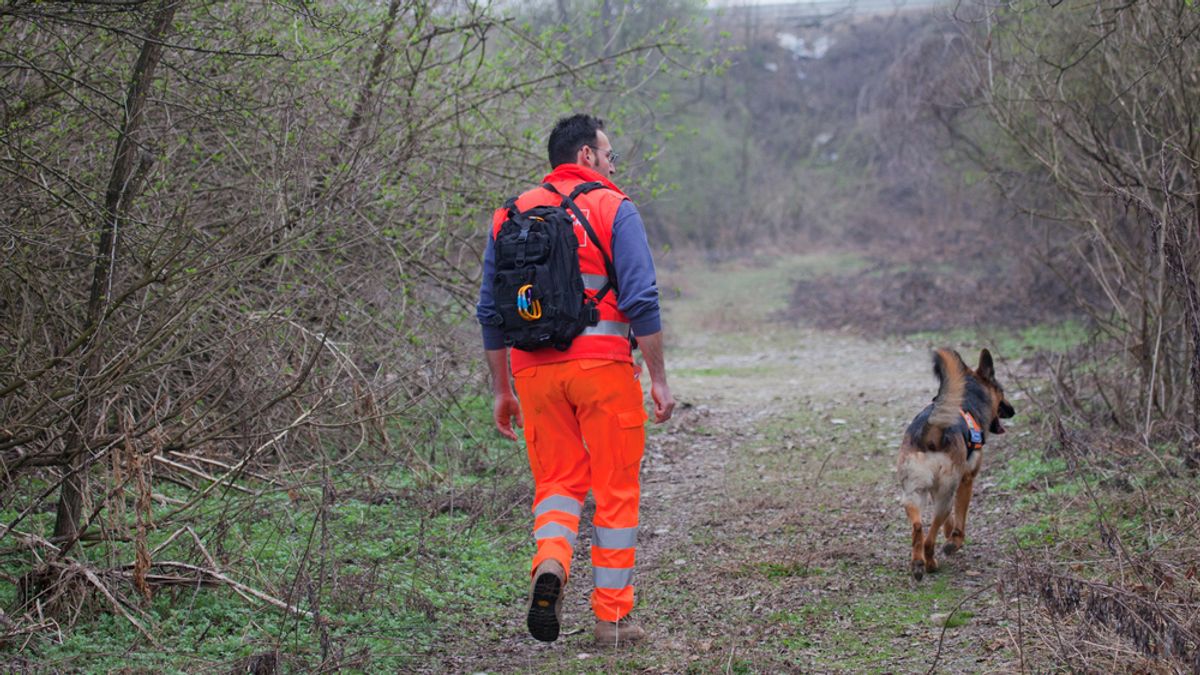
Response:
column 1084, row 115
column 1098, row 103
column 239, row 240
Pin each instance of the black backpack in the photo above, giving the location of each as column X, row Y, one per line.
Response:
column 538, row 289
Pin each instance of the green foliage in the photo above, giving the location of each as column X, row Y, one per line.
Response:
column 383, row 593
column 701, row 164
column 387, row 569
column 1030, row 467
column 1093, row 503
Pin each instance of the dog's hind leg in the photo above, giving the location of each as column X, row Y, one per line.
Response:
column 918, row 541
column 948, row 529
column 939, row 519
column 956, row 527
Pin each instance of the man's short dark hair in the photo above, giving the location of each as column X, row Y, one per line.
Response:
column 569, row 135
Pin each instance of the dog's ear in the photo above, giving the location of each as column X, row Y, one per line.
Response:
column 986, row 370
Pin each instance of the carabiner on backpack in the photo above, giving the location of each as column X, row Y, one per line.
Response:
column 528, row 308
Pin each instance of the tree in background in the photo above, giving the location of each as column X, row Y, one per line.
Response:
column 1101, row 103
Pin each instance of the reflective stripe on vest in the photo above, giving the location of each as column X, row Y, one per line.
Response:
column 594, row 282
column 618, row 328
column 615, row 537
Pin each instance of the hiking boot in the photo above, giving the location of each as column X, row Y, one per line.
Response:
column 545, row 600
column 617, row 633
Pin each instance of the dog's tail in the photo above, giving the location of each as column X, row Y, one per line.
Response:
column 950, row 370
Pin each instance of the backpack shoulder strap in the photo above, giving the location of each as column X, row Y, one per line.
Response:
column 569, row 202
column 510, row 207
column 584, row 188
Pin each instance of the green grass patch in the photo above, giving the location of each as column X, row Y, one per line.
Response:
column 1059, row 508
column 1030, row 467
column 394, row 578
column 748, row 291
column 1011, row 343
column 394, row 563
column 861, row 634
column 730, row 371
column 959, row 618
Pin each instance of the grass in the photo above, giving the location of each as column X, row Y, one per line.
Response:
column 1070, row 506
column 865, row 634
column 785, row 569
column 1007, row 343
column 741, row 296
column 394, row 579
column 750, row 371
column 391, row 576
column 1030, row 467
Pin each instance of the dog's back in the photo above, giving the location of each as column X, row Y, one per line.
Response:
column 933, row 455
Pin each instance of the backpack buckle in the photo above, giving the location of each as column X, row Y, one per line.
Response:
column 522, row 238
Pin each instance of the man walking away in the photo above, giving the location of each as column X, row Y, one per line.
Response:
column 581, row 403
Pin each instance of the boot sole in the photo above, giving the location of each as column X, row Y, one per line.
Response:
column 543, row 618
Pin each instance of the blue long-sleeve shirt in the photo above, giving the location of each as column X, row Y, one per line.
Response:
column 632, row 262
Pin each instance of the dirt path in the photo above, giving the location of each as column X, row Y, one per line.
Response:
column 771, row 538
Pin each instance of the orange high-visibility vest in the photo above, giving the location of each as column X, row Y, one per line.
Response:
column 610, row 338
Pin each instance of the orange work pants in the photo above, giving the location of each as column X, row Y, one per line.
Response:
column 584, row 428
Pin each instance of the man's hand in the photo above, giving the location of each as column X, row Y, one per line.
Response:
column 652, row 351
column 664, row 403
column 507, row 413
column 506, row 410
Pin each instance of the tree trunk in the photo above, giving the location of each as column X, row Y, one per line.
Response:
column 367, row 93
column 85, row 415
column 1178, row 263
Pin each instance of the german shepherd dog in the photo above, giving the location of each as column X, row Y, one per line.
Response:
column 942, row 451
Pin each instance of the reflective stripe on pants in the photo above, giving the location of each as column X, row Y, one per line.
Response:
column 584, row 429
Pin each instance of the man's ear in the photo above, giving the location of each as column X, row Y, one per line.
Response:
column 986, row 370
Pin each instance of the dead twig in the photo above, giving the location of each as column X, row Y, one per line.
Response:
column 204, row 575
column 112, row 599
column 208, row 460
column 198, row 473
column 229, row 475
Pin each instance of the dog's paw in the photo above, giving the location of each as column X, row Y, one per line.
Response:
column 918, row 569
column 951, row 547
column 931, row 565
